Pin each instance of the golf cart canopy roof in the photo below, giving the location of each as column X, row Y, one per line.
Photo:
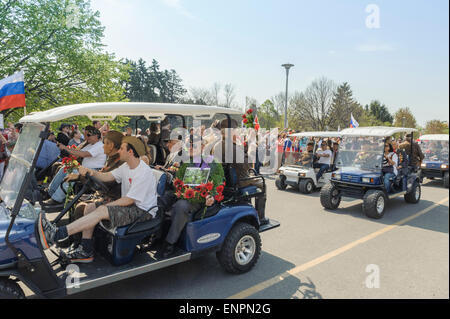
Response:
column 380, row 131
column 316, row 134
column 434, row 137
column 110, row 110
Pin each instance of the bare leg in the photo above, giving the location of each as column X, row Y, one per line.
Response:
column 88, row 222
column 87, row 233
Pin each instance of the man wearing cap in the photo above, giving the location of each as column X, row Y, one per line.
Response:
column 93, row 157
column 138, row 201
column 413, row 150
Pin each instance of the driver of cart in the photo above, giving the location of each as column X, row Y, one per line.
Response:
column 307, row 157
column 138, row 189
column 390, row 164
column 324, row 156
column 93, row 157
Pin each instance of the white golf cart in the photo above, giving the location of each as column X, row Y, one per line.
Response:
column 435, row 164
column 300, row 173
column 230, row 228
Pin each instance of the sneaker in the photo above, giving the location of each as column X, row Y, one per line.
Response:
column 47, row 232
column 79, row 255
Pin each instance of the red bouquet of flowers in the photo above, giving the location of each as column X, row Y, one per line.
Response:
column 198, row 194
column 248, row 119
column 70, row 163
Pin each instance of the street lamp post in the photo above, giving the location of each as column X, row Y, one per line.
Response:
column 287, row 66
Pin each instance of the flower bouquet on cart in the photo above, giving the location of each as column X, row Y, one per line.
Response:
column 199, row 194
column 69, row 164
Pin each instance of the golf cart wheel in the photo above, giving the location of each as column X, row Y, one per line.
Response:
column 241, row 249
column 10, row 289
column 306, row 186
column 330, row 197
column 374, row 204
column 446, row 179
column 280, row 182
column 413, row 196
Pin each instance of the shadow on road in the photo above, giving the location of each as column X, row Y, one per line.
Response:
column 397, row 209
column 204, row 278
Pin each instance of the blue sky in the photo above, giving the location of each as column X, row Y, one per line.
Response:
column 403, row 63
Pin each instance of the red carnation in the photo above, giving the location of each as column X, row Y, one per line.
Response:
column 245, row 121
column 189, row 193
column 250, row 111
column 209, row 186
column 244, row 116
column 219, row 188
column 219, row 197
column 204, row 194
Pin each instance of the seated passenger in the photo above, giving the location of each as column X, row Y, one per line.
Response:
column 111, row 146
column 390, row 163
column 93, row 157
column 324, row 159
column 307, row 157
column 138, row 188
column 183, row 210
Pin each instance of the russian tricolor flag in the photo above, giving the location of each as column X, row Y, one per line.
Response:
column 353, row 122
column 12, row 91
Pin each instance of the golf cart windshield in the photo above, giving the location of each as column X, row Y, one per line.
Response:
column 361, row 152
column 20, row 163
column 436, row 151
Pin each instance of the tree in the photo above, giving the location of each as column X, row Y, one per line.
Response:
column 268, row 116
column 436, row 127
column 229, row 95
column 380, row 112
column 313, row 107
column 58, row 45
column 200, row 96
column 404, row 118
column 343, row 107
column 149, row 84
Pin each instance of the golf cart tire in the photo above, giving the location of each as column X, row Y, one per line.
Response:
column 280, row 182
column 370, row 201
column 410, row 197
column 446, row 179
column 10, row 289
column 326, row 197
column 306, row 186
column 226, row 255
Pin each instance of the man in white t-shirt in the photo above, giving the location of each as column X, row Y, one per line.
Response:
column 138, row 201
column 93, row 157
column 324, row 156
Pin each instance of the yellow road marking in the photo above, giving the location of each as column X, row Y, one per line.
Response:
column 274, row 280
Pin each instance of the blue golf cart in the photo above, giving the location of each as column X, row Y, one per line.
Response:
column 435, row 163
column 359, row 172
column 230, row 229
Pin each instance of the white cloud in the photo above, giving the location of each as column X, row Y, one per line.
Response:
column 176, row 4
column 374, row 48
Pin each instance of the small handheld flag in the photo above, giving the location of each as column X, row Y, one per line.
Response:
column 353, row 122
column 12, row 91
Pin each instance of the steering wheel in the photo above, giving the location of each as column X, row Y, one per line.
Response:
column 96, row 184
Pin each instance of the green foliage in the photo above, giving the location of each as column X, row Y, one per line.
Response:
column 268, row 116
column 436, row 127
column 380, row 112
column 58, row 45
column 150, row 84
column 343, row 107
column 405, row 118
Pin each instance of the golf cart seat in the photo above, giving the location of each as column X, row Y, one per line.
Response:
column 246, row 192
column 119, row 244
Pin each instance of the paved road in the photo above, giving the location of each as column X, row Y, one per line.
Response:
column 322, row 254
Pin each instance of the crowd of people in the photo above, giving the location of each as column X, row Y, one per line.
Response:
column 123, row 160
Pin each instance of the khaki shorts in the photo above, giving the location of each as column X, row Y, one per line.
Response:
column 125, row 215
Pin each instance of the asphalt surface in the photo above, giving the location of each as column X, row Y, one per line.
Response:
column 317, row 253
